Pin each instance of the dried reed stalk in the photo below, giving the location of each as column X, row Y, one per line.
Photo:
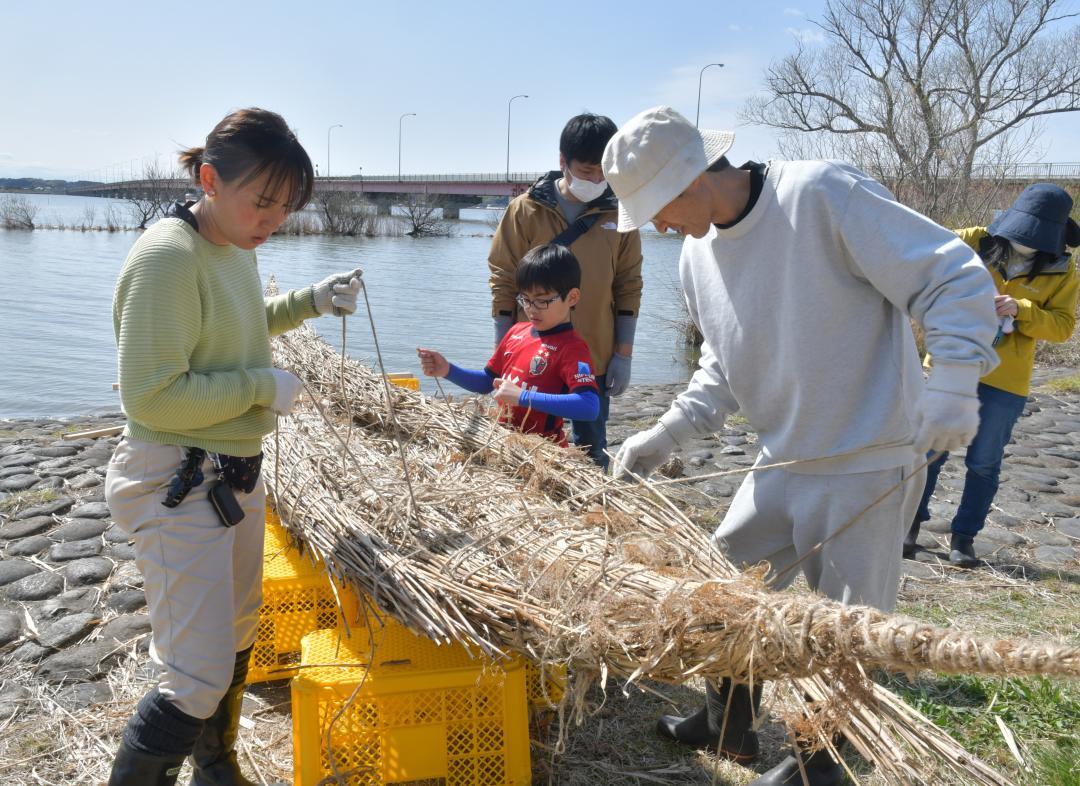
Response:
column 506, row 541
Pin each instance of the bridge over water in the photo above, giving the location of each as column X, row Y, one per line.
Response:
column 455, row 191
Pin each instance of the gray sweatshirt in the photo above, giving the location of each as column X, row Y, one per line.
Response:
column 804, row 307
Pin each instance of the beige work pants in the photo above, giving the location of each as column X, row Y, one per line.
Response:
column 778, row 516
column 203, row 581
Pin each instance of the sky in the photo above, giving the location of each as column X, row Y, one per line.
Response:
column 96, row 90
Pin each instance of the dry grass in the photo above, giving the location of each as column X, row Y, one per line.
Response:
column 616, row 743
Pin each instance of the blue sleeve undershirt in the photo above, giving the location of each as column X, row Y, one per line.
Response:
column 582, row 405
column 473, row 381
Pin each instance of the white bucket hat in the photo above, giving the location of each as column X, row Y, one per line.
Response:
column 653, row 158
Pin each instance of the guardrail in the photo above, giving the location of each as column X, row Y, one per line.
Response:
column 1065, row 170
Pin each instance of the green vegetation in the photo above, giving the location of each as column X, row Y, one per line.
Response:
column 1042, row 715
column 1065, row 384
column 27, row 499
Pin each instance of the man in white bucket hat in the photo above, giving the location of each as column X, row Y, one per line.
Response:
column 802, row 276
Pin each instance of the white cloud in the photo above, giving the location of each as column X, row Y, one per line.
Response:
column 735, row 28
column 793, row 12
column 808, row 35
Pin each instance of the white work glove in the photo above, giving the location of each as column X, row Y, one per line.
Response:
column 644, row 452
column 948, row 415
column 337, row 294
column 287, row 387
column 618, row 374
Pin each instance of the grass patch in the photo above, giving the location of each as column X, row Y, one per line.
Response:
column 1065, row 384
column 737, row 420
column 1043, row 716
column 27, row 499
column 1059, row 764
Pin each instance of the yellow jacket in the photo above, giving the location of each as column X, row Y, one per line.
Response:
column 610, row 263
column 1046, row 312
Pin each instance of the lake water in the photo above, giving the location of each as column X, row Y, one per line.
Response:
column 58, row 356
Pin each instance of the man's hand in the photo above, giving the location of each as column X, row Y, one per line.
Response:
column 643, row 452
column 337, row 294
column 287, row 388
column 506, row 392
column 1006, row 306
column 618, row 374
column 948, row 415
column 432, row 363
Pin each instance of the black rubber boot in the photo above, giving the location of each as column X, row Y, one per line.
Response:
column 911, row 541
column 213, row 758
column 135, row 768
column 702, row 729
column 821, row 770
column 962, row 552
column 157, row 739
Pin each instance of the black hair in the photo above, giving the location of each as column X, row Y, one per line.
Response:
column 552, row 267
column 719, row 165
column 250, row 142
column 996, row 250
column 584, row 138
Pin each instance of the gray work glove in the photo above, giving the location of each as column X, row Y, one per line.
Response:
column 948, row 415
column 643, row 453
column 618, row 374
column 337, row 294
column 503, row 323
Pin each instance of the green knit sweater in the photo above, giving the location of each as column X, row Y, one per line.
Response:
column 193, row 341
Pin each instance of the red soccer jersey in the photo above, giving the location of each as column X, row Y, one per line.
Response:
column 555, row 361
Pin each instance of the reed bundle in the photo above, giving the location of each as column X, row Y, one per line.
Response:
column 508, row 542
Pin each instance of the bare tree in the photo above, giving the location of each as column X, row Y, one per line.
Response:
column 422, row 218
column 926, row 95
column 159, row 187
column 17, row 212
column 343, row 212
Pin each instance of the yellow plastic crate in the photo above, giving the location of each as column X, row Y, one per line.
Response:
column 545, row 686
column 404, row 380
column 297, row 599
column 412, row 712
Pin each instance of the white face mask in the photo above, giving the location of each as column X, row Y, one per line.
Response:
column 1022, row 250
column 585, row 190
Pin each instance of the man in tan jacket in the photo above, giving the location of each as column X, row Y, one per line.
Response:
column 573, row 206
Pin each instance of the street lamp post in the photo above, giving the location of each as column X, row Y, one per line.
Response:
column 697, row 117
column 508, row 103
column 331, row 128
column 399, row 122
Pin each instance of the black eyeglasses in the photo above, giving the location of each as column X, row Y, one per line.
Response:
column 539, row 305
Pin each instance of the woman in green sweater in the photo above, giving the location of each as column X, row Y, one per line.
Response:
column 199, row 388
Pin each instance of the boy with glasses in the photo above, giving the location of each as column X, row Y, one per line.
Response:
column 574, row 207
column 541, row 370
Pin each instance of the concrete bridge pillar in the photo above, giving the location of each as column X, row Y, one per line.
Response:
column 451, row 213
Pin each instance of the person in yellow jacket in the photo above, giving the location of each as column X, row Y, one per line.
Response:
column 572, row 206
column 1025, row 251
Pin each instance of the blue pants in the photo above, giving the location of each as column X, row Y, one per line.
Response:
column 998, row 413
column 592, row 434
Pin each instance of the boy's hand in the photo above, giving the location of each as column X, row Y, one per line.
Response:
column 506, row 392
column 432, row 363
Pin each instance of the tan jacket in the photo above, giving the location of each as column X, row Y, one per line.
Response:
column 610, row 263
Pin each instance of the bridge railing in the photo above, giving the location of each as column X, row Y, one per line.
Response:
column 465, row 177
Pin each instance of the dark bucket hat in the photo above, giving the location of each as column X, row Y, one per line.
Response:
column 1039, row 218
